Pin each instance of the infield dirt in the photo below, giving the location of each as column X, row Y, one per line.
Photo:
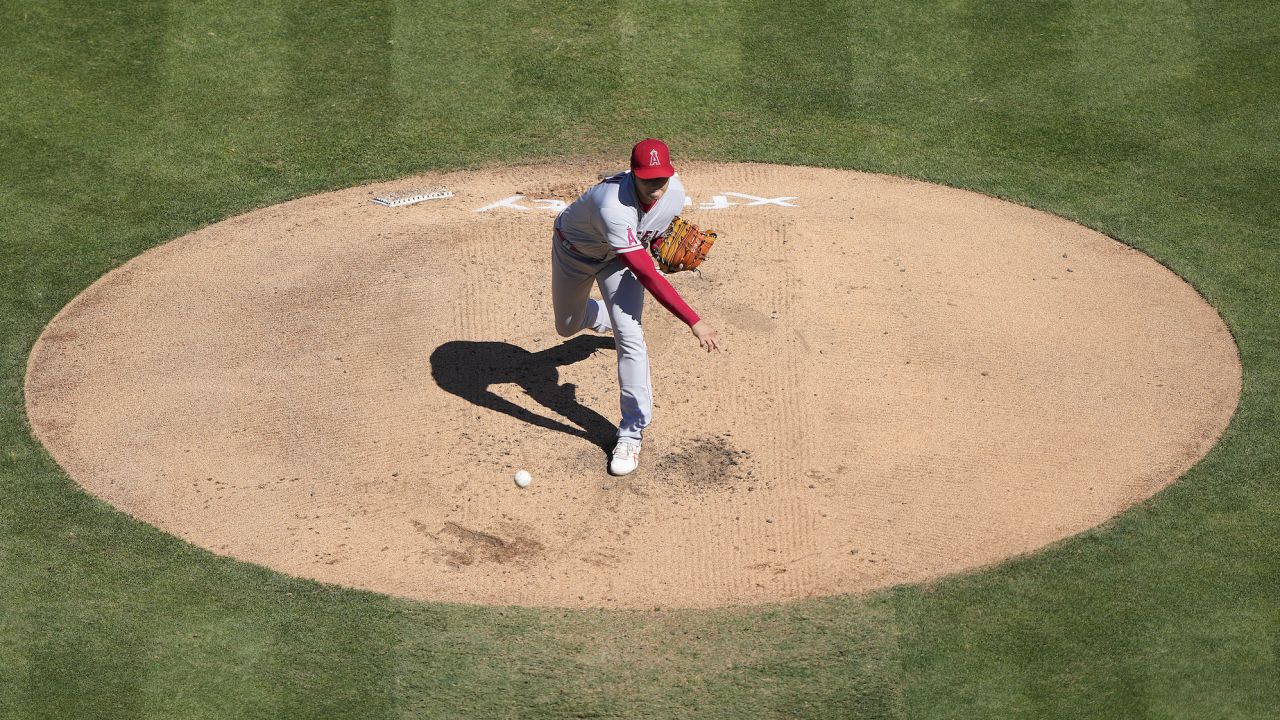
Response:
column 917, row 381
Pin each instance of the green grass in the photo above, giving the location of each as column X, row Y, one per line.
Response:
column 1155, row 122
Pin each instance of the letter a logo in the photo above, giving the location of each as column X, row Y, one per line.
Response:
column 653, row 158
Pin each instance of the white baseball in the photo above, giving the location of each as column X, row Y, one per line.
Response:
column 523, row 478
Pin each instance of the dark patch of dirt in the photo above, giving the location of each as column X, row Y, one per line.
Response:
column 706, row 464
column 567, row 191
column 462, row 546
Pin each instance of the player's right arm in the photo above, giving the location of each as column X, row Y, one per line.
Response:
column 620, row 233
column 638, row 262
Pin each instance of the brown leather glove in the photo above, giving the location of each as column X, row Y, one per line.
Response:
column 683, row 247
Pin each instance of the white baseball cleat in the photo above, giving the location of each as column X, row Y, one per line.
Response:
column 626, row 456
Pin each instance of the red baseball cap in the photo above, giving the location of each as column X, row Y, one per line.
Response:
column 651, row 159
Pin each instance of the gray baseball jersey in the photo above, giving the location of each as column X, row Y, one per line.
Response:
column 604, row 222
column 607, row 219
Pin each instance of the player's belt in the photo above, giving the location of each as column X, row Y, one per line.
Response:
column 568, row 246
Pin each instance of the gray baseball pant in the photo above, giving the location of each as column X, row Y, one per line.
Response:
column 571, row 279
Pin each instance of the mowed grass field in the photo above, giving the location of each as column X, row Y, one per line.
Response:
column 123, row 125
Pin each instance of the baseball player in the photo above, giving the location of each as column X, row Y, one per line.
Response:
column 602, row 237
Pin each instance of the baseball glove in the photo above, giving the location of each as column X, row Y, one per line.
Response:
column 682, row 247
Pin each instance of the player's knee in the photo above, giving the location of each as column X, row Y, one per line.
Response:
column 568, row 327
column 630, row 342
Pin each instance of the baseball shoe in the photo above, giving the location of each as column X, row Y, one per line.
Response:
column 626, row 456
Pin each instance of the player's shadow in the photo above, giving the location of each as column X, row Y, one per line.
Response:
column 469, row 369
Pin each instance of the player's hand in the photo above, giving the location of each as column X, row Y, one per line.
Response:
column 708, row 338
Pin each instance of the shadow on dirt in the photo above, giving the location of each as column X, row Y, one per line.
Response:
column 467, row 369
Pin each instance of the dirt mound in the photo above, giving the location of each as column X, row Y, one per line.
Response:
column 918, row 380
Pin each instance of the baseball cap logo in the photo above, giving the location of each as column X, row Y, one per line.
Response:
column 651, row 159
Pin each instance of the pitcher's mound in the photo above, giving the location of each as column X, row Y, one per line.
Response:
column 917, row 380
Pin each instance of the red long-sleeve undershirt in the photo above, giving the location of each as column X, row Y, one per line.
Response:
column 646, row 272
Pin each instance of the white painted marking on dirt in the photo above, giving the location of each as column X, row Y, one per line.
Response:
column 780, row 201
